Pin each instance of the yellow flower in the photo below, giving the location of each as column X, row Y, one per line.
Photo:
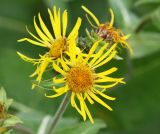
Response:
column 56, row 44
column 107, row 31
column 80, row 77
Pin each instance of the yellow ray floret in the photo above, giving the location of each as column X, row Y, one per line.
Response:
column 55, row 41
column 80, row 77
column 106, row 30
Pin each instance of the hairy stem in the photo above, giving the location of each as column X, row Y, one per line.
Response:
column 59, row 113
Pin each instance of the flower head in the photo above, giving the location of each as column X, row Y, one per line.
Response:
column 56, row 44
column 80, row 77
column 106, row 30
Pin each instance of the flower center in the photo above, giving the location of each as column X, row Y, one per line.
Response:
column 80, row 78
column 111, row 35
column 57, row 47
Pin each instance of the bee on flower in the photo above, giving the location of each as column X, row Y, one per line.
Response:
column 81, row 79
column 56, row 43
column 106, row 31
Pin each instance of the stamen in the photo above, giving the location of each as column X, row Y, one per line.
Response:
column 80, row 78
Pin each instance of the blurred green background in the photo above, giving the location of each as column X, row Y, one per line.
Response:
column 136, row 109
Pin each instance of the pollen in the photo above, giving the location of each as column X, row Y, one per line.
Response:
column 58, row 46
column 80, row 78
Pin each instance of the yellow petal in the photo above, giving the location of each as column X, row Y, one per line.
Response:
column 82, row 106
column 32, row 42
column 46, row 44
column 33, row 86
column 107, row 72
column 59, row 21
column 53, row 23
column 54, row 96
column 92, row 15
column 57, row 24
column 72, row 49
column 60, row 80
column 126, row 36
column 41, row 68
column 98, row 54
column 55, row 13
column 92, row 50
column 39, row 32
column 108, row 79
column 58, row 69
column 64, row 65
column 88, row 113
column 25, row 58
column 105, row 54
column 106, row 60
column 89, row 98
column 60, row 90
column 73, row 103
column 106, row 86
column 128, row 46
column 99, row 100
column 35, row 72
column 67, row 61
column 75, row 29
column 44, row 28
column 58, row 94
column 65, row 22
column 112, row 18
column 105, row 96
column 80, row 54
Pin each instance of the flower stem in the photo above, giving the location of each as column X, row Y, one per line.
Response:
column 59, row 113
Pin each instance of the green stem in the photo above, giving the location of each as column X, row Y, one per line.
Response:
column 59, row 113
column 22, row 129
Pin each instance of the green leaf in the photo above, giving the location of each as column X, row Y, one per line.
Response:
column 31, row 120
column 82, row 128
column 3, row 99
column 8, row 103
column 144, row 43
column 124, row 18
column 3, row 95
column 65, row 122
column 68, row 125
column 7, row 132
column 11, row 121
column 142, row 2
column 38, row 121
column 156, row 17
